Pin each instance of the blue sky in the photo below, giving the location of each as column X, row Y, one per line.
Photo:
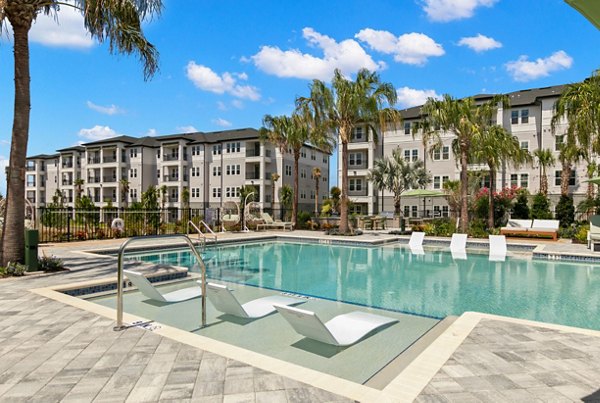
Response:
column 225, row 64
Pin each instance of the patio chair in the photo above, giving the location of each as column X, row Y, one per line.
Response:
column 343, row 330
column 594, row 232
column 497, row 247
column 151, row 292
column 270, row 223
column 224, row 301
column 415, row 243
column 458, row 245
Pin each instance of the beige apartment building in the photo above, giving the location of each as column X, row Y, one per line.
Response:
column 212, row 166
column 528, row 118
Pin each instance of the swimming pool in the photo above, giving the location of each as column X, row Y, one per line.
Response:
column 390, row 277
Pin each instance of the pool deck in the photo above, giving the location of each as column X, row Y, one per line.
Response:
column 53, row 350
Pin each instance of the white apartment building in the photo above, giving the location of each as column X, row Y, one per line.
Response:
column 212, row 166
column 528, row 118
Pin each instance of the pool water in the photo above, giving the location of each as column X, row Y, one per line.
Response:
column 390, row 277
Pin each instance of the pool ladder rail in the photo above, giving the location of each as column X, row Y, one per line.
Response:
column 120, row 325
column 201, row 235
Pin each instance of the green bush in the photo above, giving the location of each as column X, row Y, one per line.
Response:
column 303, row 218
column 565, row 211
column 15, row 269
column 521, row 209
column 540, row 207
column 441, row 227
column 50, row 264
column 580, row 234
column 477, row 228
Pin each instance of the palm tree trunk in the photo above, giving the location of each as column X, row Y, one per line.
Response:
column 316, row 196
column 564, row 179
column 344, row 197
column 295, row 199
column 491, row 198
column 464, row 188
column 13, row 234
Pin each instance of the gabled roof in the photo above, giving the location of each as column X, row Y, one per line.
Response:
column 531, row 96
column 43, row 156
column 117, row 139
column 73, row 148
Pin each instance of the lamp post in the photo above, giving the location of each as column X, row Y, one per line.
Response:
column 246, row 211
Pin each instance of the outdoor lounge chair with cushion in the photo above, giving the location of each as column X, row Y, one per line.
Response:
column 458, row 245
column 269, row 223
column 497, row 247
column 149, row 291
column 594, row 232
column 224, row 301
column 343, row 330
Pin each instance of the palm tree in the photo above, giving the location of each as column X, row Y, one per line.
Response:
column 344, row 106
column 115, row 21
column 494, row 146
column 396, row 175
column 545, row 158
column 124, row 183
column 78, row 187
column 428, row 136
column 569, row 154
column 316, row 173
column 465, row 119
column 274, row 179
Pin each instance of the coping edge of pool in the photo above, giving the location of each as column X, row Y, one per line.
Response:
column 405, row 387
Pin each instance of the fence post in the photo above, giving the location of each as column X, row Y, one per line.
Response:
column 69, row 228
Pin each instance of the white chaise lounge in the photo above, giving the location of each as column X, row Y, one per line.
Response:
column 343, row 330
column 532, row 228
column 224, row 301
column 497, row 247
column 458, row 246
column 415, row 243
column 149, row 291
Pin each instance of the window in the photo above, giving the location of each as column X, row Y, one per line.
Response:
column 30, row 180
column 355, row 159
column 288, row 170
column 196, row 150
column 217, row 149
column 313, row 155
column 557, row 178
column 445, row 211
column 406, row 211
column 174, row 194
column 524, row 115
column 446, row 152
column 228, row 170
column 413, row 211
column 216, row 192
column 228, row 147
column 195, row 171
column 514, row 117
column 525, row 145
column 558, row 141
column 133, row 194
column 415, row 154
column 357, row 134
column 324, row 159
column 302, row 153
column 355, row 185
column 437, row 182
column 158, row 173
column 228, row 192
column 303, row 194
column 303, row 173
column 407, row 155
column 133, row 173
column 312, row 195
column 158, row 153
column 406, row 127
column 216, row 171
column 524, row 180
column 133, row 153
column 514, row 180
column 195, row 192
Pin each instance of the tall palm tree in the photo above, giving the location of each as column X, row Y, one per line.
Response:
column 115, row 21
column 316, row 173
column 124, row 183
column 274, row 179
column 545, row 158
column 339, row 109
column 429, row 136
column 466, row 119
column 494, row 146
column 78, row 187
column 569, row 155
column 396, row 175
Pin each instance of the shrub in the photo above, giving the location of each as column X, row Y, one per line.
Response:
column 477, row 228
column 441, row 227
column 50, row 264
column 15, row 269
column 540, row 207
column 503, row 201
column 303, row 218
column 521, row 209
column 580, row 234
column 565, row 211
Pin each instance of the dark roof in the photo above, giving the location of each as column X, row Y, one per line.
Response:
column 117, row 139
column 227, row 135
column 73, row 148
column 530, row 96
column 411, row 113
column 43, row 156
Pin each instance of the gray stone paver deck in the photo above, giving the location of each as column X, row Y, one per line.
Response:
column 50, row 351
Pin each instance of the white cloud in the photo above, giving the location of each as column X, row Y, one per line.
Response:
column 98, row 133
column 480, row 43
column 222, row 122
column 408, row 97
column 106, row 110
column 221, row 106
column 151, row 132
column 5, row 142
column 236, row 103
column 526, row 70
column 413, row 48
column 187, row 129
column 206, row 79
column 67, row 31
column 449, row 10
column 347, row 55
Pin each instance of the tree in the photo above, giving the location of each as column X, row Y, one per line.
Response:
column 493, row 146
column 274, row 179
column 124, row 184
column 466, row 119
column 286, row 197
column 115, row 21
column 396, row 175
column 569, row 154
column 316, row 173
column 540, row 208
column 545, row 158
column 78, row 188
column 151, row 213
column 452, row 190
column 344, row 106
column 521, row 210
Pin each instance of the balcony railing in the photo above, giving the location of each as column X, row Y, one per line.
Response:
column 67, row 182
column 30, row 168
column 93, row 180
column 30, row 184
column 168, row 178
column 67, row 164
column 109, row 159
column 94, row 160
column 171, row 157
column 252, row 153
column 109, row 179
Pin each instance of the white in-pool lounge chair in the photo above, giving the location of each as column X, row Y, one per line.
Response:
column 224, row 301
column 415, row 243
column 149, row 291
column 341, row 331
column 458, row 245
column 497, row 247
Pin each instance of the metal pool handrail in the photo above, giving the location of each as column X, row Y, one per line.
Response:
column 120, row 325
column 200, row 233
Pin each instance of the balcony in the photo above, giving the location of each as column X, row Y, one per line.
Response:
column 94, row 160
column 30, row 168
column 167, row 178
column 109, row 159
column 31, row 184
column 93, row 180
column 67, row 182
column 109, row 179
column 252, row 153
column 172, row 157
column 67, row 164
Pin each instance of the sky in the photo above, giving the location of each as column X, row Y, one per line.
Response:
column 225, row 64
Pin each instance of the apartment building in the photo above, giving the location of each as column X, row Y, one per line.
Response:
column 212, row 166
column 528, row 118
